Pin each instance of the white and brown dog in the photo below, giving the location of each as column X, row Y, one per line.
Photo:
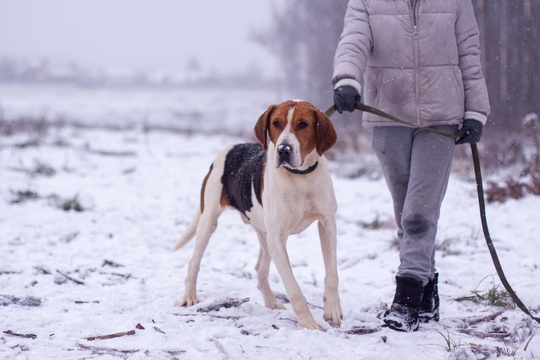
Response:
column 280, row 187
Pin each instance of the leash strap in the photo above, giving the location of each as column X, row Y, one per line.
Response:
column 480, row 192
column 491, row 247
column 371, row 109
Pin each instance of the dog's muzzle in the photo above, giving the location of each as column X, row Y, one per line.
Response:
column 284, row 154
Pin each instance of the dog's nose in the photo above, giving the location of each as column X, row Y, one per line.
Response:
column 284, row 151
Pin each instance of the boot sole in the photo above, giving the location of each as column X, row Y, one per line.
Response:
column 428, row 316
column 397, row 324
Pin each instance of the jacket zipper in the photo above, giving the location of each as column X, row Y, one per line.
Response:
column 415, row 36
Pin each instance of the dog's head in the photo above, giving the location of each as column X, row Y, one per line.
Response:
column 294, row 130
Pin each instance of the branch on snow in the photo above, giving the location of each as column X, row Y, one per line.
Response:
column 78, row 282
column 486, row 318
column 26, row 336
column 111, row 336
column 227, row 303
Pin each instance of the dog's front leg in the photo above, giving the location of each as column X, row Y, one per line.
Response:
column 332, row 307
column 278, row 253
column 262, row 268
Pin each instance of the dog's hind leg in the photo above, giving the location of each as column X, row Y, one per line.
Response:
column 263, row 268
column 205, row 229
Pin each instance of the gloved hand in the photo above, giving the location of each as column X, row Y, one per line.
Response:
column 345, row 98
column 470, row 132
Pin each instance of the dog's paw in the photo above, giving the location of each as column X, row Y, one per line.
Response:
column 275, row 305
column 334, row 320
column 333, row 314
column 311, row 325
column 188, row 301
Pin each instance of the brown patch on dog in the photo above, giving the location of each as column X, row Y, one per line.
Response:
column 224, row 200
column 325, row 132
column 203, row 188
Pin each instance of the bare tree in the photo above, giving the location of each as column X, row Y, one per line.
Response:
column 304, row 35
column 510, row 33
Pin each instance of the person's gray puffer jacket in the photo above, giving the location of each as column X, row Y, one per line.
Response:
column 421, row 63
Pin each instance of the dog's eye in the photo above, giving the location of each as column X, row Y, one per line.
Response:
column 277, row 124
column 302, row 125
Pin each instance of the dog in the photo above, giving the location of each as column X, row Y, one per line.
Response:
column 280, row 186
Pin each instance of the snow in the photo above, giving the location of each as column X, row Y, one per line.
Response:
column 66, row 276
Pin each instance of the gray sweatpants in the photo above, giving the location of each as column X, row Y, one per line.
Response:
column 416, row 165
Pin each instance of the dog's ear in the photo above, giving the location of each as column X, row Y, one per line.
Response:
column 261, row 127
column 325, row 132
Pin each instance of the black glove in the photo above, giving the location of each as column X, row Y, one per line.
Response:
column 345, row 98
column 470, row 132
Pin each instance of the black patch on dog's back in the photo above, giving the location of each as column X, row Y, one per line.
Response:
column 243, row 170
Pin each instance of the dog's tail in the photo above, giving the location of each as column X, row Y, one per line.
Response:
column 189, row 233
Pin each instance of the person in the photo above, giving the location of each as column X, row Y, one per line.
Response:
column 418, row 60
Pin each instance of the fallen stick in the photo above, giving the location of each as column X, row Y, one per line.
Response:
column 27, row 336
column 362, row 330
column 111, row 336
column 489, row 317
column 211, row 315
column 483, row 335
column 159, row 330
column 227, row 304
column 78, row 282
column 104, row 351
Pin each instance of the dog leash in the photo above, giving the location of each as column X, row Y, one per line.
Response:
column 480, row 192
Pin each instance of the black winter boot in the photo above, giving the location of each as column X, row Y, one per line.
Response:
column 403, row 314
column 429, row 309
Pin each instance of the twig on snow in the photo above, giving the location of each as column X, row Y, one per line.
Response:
column 26, row 336
column 111, row 336
column 112, row 153
column 212, row 316
column 159, row 330
column 362, row 330
column 228, row 303
column 9, row 272
column 78, row 282
column 483, row 335
column 103, row 350
column 486, row 318
column 111, row 263
column 220, row 347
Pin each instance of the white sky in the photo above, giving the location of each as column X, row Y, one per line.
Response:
column 162, row 34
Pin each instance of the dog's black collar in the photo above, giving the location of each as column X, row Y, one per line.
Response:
column 302, row 172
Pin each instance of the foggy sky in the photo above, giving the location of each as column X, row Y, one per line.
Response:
column 146, row 34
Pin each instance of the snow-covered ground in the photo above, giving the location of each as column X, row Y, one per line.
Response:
column 68, row 276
